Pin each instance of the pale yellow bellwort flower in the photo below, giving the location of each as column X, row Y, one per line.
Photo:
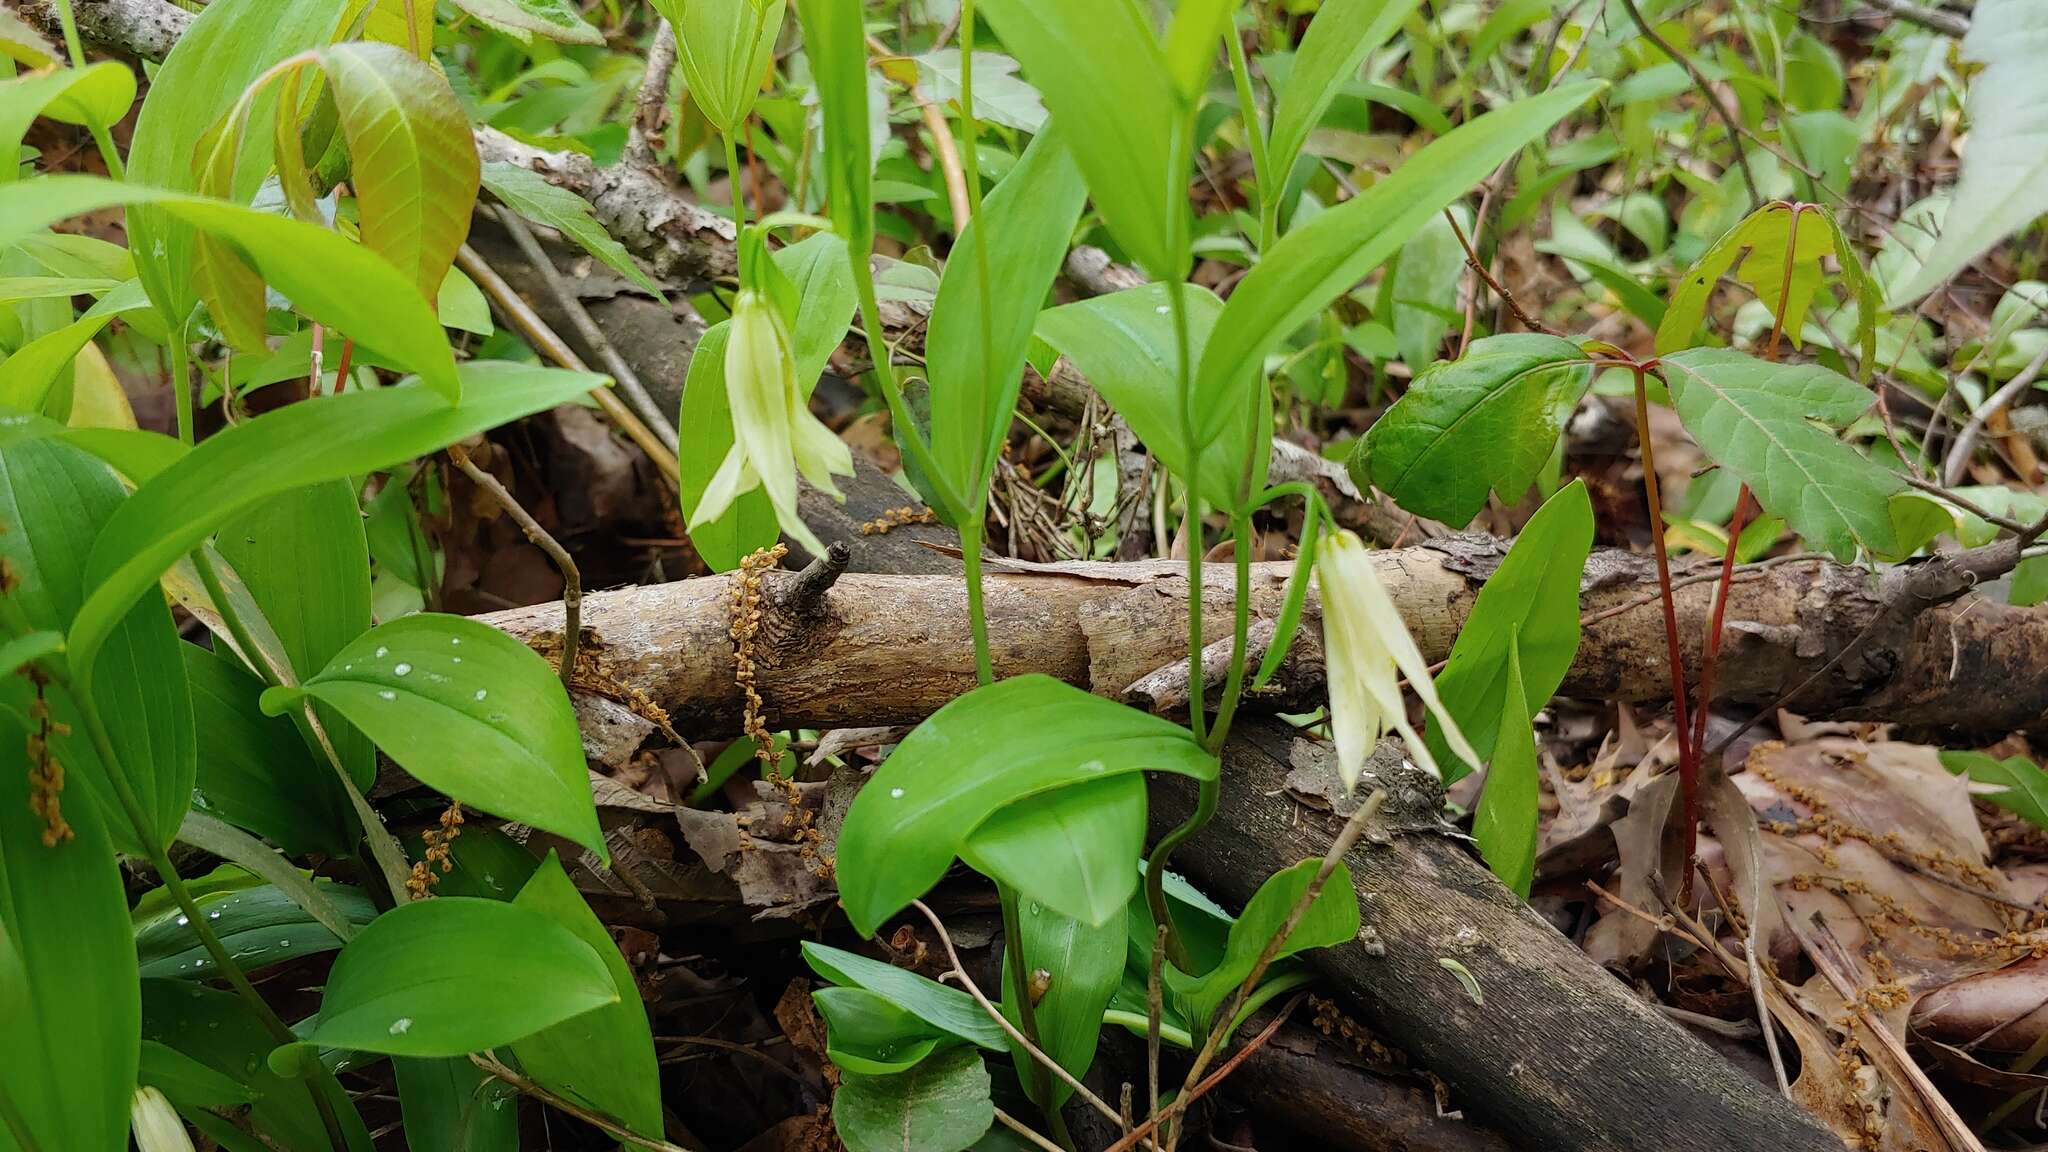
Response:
column 1366, row 651
column 775, row 436
column 155, row 1123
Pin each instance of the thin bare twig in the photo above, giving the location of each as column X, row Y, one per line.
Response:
column 1949, row 23
column 1222, row 1073
column 572, row 580
column 1473, row 262
column 548, row 343
column 652, row 98
column 497, row 1070
column 579, row 318
column 1965, row 442
column 1025, row 1130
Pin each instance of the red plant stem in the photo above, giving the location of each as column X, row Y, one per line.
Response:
column 348, row 351
column 1713, row 647
column 1688, row 766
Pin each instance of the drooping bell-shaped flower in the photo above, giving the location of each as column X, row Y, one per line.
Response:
column 1366, row 651
column 155, row 1123
column 775, row 436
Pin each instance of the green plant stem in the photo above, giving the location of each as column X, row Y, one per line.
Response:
column 73, row 47
column 1255, row 133
column 1027, row 1012
column 950, row 507
column 977, row 613
column 223, row 961
column 384, row 847
column 181, row 385
column 732, row 180
column 1233, row 684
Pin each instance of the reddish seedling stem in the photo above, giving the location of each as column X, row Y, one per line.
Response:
column 1688, row 765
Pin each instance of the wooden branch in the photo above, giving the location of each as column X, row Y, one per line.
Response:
column 1551, row 1048
column 893, row 649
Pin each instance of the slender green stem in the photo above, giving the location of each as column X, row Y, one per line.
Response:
column 109, row 155
column 1027, row 1012
column 732, row 179
column 977, row 613
column 1233, row 684
column 1255, row 132
column 950, row 503
column 73, row 47
column 181, row 384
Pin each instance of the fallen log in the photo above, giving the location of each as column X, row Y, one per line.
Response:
column 888, row 649
column 1532, row 1036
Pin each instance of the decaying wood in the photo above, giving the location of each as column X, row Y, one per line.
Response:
column 890, row 649
column 1532, row 1036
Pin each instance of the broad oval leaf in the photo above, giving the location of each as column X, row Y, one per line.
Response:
column 329, row 279
column 54, row 501
column 470, row 712
column 2004, row 184
column 1526, row 617
column 1331, row 919
column 941, row 1105
column 554, row 19
column 259, row 925
column 1069, row 849
column 454, row 975
column 68, row 1001
column 1084, row 964
column 949, row 1010
column 986, row 750
column 866, row 1033
column 324, row 438
column 605, row 1058
column 1026, row 224
column 1103, row 73
column 1758, row 420
column 413, row 160
column 1484, row 422
column 1323, row 258
column 96, row 95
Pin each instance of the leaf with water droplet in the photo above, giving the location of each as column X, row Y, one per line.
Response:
column 521, row 758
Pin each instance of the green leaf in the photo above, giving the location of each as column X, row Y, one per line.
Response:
column 305, row 561
column 836, row 43
column 68, row 1003
column 1422, row 290
column 1527, row 619
column 188, row 1083
column 1026, row 224
column 14, row 289
column 260, row 926
column 942, row 1105
column 1326, row 256
column 97, row 95
column 412, row 159
column 1083, row 964
column 1510, row 19
column 1124, row 344
column 470, row 712
column 1758, row 420
column 1332, row 919
column 1000, row 96
column 19, row 651
column 220, row 1031
column 2025, row 787
column 866, row 1033
column 949, row 1010
column 726, row 49
column 1104, row 75
column 1486, row 421
column 602, row 1059
column 54, row 500
column 2004, row 182
column 524, row 192
column 324, row 438
column 554, row 19
column 215, row 59
column 1505, row 826
column 29, row 377
column 330, row 280
column 983, row 752
column 449, row 1102
column 1763, row 243
column 818, row 269
column 454, row 975
column 1342, row 35
column 1069, row 849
